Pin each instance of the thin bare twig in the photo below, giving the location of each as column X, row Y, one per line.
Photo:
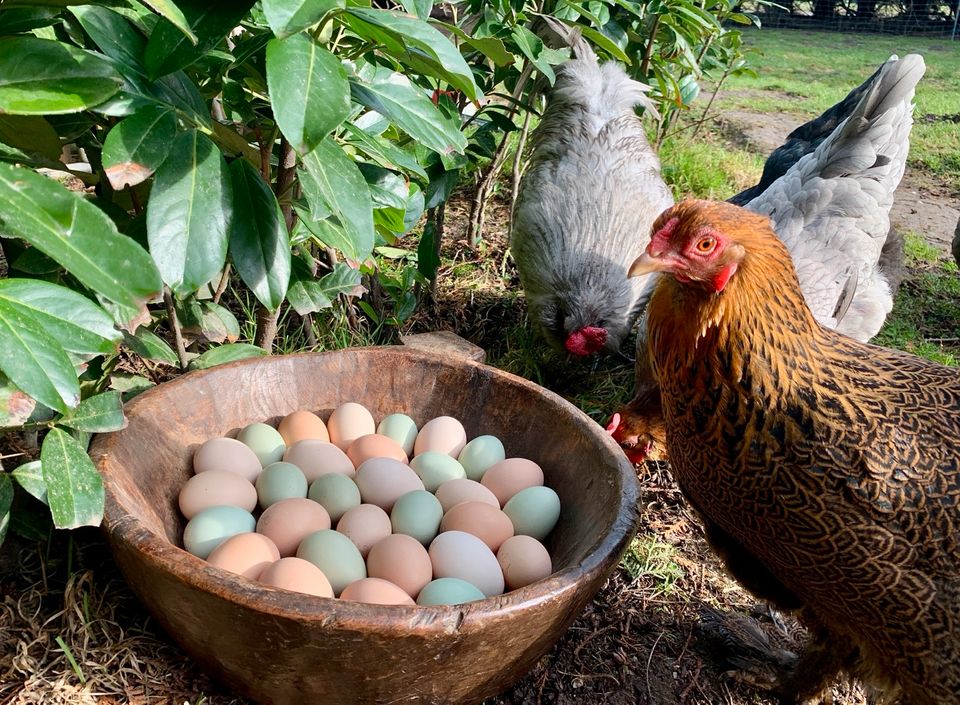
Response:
column 175, row 327
column 222, row 286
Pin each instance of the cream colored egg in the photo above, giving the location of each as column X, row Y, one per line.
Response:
column 375, row 591
column 452, row 492
column 213, row 488
column 487, row 523
column 524, row 560
column 365, row 525
column 348, row 422
column 509, row 476
column 456, row 554
column 403, row 561
column 443, row 434
column 301, row 425
column 245, row 554
column 289, row 521
column 316, row 458
column 298, row 575
column 382, row 481
column 227, row 454
column 374, row 445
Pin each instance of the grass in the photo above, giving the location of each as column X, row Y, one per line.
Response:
column 804, row 72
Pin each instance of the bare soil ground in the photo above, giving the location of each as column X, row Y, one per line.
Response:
column 658, row 633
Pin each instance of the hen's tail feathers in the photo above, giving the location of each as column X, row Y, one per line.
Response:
column 603, row 90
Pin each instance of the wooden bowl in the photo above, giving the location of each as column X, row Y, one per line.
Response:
column 288, row 648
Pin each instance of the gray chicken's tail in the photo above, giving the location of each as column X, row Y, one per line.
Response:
column 604, row 90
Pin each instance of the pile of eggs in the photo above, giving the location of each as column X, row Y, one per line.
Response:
column 384, row 514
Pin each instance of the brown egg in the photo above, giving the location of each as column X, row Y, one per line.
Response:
column 227, row 454
column 245, row 554
column 443, row 434
column 401, row 560
column 509, row 476
column 316, row 458
column 298, row 575
column 365, row 525
column 375, row 591
column 301, row 425
column 487, row 523
column 215, row 487
column 460, row 489
column 523, row 560
column 289, row 521
column 348, row 422
column 382, row 481
column 373, row 445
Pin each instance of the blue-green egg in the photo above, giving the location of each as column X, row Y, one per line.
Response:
column 479, row 454
column 434, row 468
column 212, row 526
column 280, row 481
column 265, row 441
column 336, row 493
column 335, row 555
column 448, row 591
column 400, row 428
column 534, row 511
column 417, row 514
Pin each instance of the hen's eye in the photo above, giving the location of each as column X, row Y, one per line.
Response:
column 706, row 245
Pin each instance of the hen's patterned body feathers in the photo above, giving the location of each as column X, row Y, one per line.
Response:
column 834, row 463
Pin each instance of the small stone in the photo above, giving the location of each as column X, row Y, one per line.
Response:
column 445, row 342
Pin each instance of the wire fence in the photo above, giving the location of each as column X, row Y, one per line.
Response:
column 915, row 17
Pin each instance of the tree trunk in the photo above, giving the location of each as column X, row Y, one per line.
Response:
column 823, row 9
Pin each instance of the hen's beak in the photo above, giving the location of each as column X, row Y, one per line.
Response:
column 647, row 263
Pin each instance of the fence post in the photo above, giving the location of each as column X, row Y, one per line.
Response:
column 956, row 16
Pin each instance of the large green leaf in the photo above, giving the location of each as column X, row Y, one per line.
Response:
column 223, row 354
column 491, row 47
column 169, row 49
column 15, row 20
column 98, row 414
column 333, row 184
column 79, row 236
column 393, row 96
column 74, row 487
column 288, row 17
column 384, row 152
column 259, row 245
column 6, row 501
column 35, row 362
column 308, row 295
column 30, row 477
column 31, row 134
column 188, row 217
column 40, row 76
column 75, row 322
column 137, row 145
column 533, row 48
column 114, row 35
column 308, row 90
column 173, row 14
column 415, row 44
column 150, row 346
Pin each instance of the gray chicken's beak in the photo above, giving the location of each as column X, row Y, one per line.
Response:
column 647, row 263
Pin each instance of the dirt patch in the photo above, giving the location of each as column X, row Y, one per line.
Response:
column 921, row 203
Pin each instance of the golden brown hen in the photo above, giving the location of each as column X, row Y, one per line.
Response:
column 827, row 470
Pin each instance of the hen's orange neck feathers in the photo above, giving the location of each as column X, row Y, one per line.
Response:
column 760, row 305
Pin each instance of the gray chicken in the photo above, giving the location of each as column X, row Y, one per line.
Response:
column 592, row 185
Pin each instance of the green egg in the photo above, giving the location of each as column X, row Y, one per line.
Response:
column 481, row 453
column 534, row 511
column 435, row 468
column 335, row 555
column 212, row 526
column 417, row 514
column 448, row 591
column 336, row 493
column 280, row 481
column 263, row 440
column 400, row 428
